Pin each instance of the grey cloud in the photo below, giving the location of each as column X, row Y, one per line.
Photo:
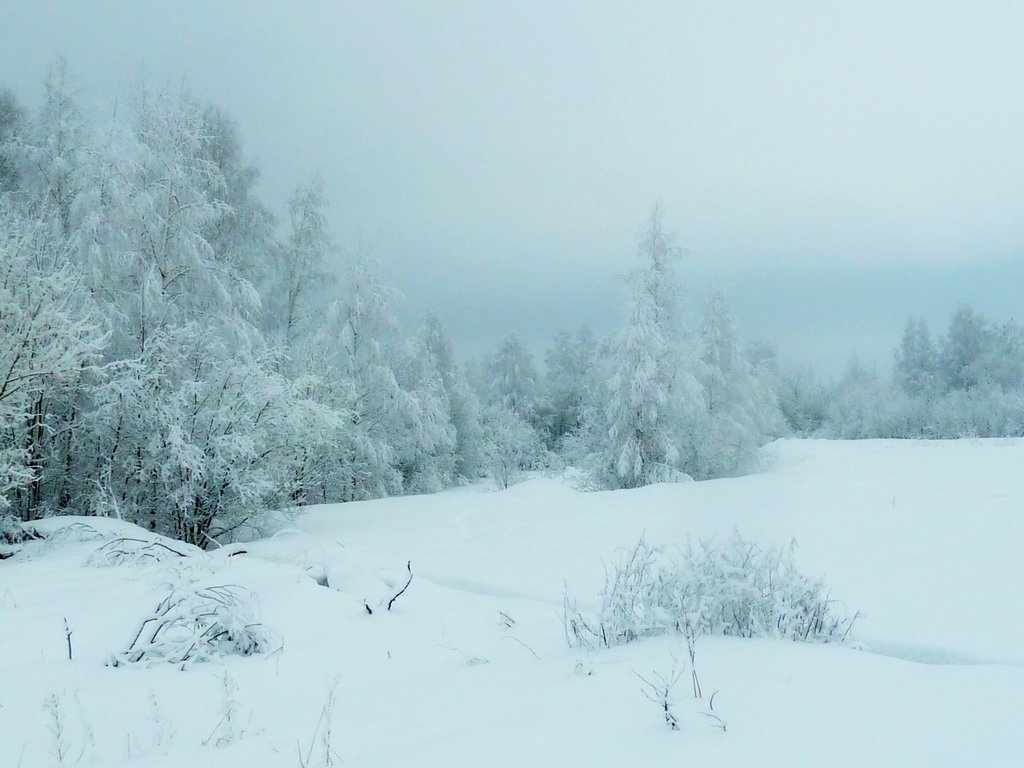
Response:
column 820, row 160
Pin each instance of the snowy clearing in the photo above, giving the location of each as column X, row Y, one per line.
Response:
column 471, row 666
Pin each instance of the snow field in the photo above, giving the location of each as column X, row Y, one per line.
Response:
column 471, row 665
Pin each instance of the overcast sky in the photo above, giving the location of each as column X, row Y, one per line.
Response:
column 834, row 167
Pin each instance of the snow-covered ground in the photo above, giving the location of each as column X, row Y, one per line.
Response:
column 471, row 667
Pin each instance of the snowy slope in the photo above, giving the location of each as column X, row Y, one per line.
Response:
column 471, row 667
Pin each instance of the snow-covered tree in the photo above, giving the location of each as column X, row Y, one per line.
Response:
column 174, row 435
column 51, row 155
column 49, row 333
column 463, row 404
column 916, row 359
column 12, row 118
column 740, row 409
column 652, row 399
column 861, row 405
column 425, row 440
column 300, row 276
column 196, row 444
column 510, row 445
column 352, row 357
column 803, row 400
column 1002, row 364
column 569, row 382
column 512, row 378
column 242, row 235
column 962, row 348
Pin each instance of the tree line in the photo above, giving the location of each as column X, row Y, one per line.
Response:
column 966, row 382
column 174, row 353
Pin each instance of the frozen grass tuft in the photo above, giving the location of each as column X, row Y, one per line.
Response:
column 733, row 588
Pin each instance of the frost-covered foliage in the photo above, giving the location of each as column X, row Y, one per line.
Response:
column 647, row 406
column 353, row 354
column 740, row 407
column 197, row 624
column 510, row 445
column 165, row 359
column 966, row 383
column 732, row 588
column 460, row 399
column 512, row 378
column 673, row 405
column 12, row 531
column 50, row 337
column 168, row 358
column 570, row 382
column 298, row 271
column 12, row 117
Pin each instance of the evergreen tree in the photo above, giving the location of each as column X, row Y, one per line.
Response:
column 652, row 399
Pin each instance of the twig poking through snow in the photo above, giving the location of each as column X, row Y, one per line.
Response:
column 510, row 637
column 659, row 690
column 320, row 751
column 718, row 721
column 67, row 634
column 408, row 567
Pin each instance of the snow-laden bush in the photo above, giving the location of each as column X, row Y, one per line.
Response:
column 197, row 624
column 13, row 532
column 510, row 445
column 734, row 588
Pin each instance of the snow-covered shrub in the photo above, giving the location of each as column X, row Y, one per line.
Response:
column 735, row 588
column 13, row 532
column 197, row 624
column 510, row 445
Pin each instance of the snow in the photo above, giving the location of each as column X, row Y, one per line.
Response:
column 471, row 665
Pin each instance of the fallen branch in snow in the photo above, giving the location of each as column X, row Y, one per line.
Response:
column 400, row 592
column 75, row 532
column 126, row 549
